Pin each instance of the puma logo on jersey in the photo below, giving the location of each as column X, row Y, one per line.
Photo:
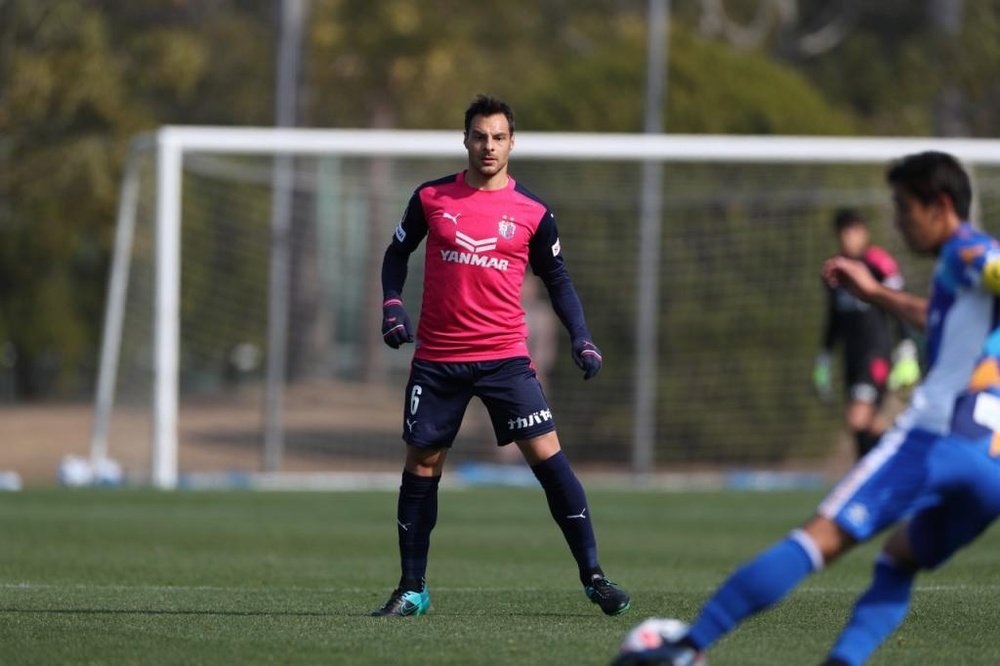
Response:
column 582, row 515
column 449, row 216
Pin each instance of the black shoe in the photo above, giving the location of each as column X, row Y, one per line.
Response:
column 612, row 599
column 405, row 602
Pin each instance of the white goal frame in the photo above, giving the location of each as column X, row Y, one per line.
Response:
column 171, row 143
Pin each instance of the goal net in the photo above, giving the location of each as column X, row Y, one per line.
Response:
column 242, row 329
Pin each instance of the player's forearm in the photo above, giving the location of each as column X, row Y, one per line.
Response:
column 394, row 269
column 909, row 308
column 567, row 306
column 829, row 332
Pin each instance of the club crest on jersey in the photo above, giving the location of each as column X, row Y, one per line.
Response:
column 506, row 227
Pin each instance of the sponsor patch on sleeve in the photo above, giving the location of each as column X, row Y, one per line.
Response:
column 555, row 248
column 400, row 232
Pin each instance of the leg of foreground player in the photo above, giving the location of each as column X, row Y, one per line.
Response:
column 767, row 578
column 416, row 515
column 968, row 476
column 758, row 584
column 876, row 614
column 568, row 505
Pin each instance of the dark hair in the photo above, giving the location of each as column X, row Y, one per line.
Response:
column 846, row 217
column 928, row 175
column 487, row 105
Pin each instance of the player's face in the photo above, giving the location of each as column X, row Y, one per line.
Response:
column 489, row 142
column 924, row 226
column 853, row 240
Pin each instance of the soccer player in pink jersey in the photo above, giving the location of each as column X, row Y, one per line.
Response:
column 482, row 231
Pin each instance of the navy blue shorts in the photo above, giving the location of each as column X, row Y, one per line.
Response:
column 866, row 376
column 438, row 394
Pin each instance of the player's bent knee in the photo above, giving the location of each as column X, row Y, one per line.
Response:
column 860, row 416
column 829, row 539
column 899, row 548
column 425, row 461
column 539, row 449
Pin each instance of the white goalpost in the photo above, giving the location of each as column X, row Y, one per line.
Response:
column 726, row 179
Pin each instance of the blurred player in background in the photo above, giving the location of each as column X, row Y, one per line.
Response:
column 936, row 469
column 867, row 335
column 483, row 230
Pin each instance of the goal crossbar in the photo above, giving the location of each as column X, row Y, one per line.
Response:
column 571, row 145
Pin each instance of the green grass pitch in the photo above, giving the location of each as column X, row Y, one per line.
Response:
column 142, row 577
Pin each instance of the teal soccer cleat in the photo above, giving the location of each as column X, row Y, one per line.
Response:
column 403, row 603
column 612, row 599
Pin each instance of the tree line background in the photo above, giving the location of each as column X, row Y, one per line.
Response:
column 79, row 78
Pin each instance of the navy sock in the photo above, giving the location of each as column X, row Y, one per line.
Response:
column 762, row 581
column 876, row 614
column 568, row 505
column 416, row 515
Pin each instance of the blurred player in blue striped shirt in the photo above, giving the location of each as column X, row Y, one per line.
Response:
column 935, row 472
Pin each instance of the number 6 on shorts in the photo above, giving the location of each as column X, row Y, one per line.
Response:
column 415, row 398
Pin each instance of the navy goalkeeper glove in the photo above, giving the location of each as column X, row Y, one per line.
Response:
column 587, row 356
column 396, row 327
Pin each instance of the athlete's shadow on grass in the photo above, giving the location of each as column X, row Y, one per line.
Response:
column 150, row 611
column 239, row 613
column 495, row 614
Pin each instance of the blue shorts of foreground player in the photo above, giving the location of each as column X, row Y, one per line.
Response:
column 949, row 486
column 438, row 394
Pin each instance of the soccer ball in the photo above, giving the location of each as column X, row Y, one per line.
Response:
column 640, row 643
column 77, row 472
